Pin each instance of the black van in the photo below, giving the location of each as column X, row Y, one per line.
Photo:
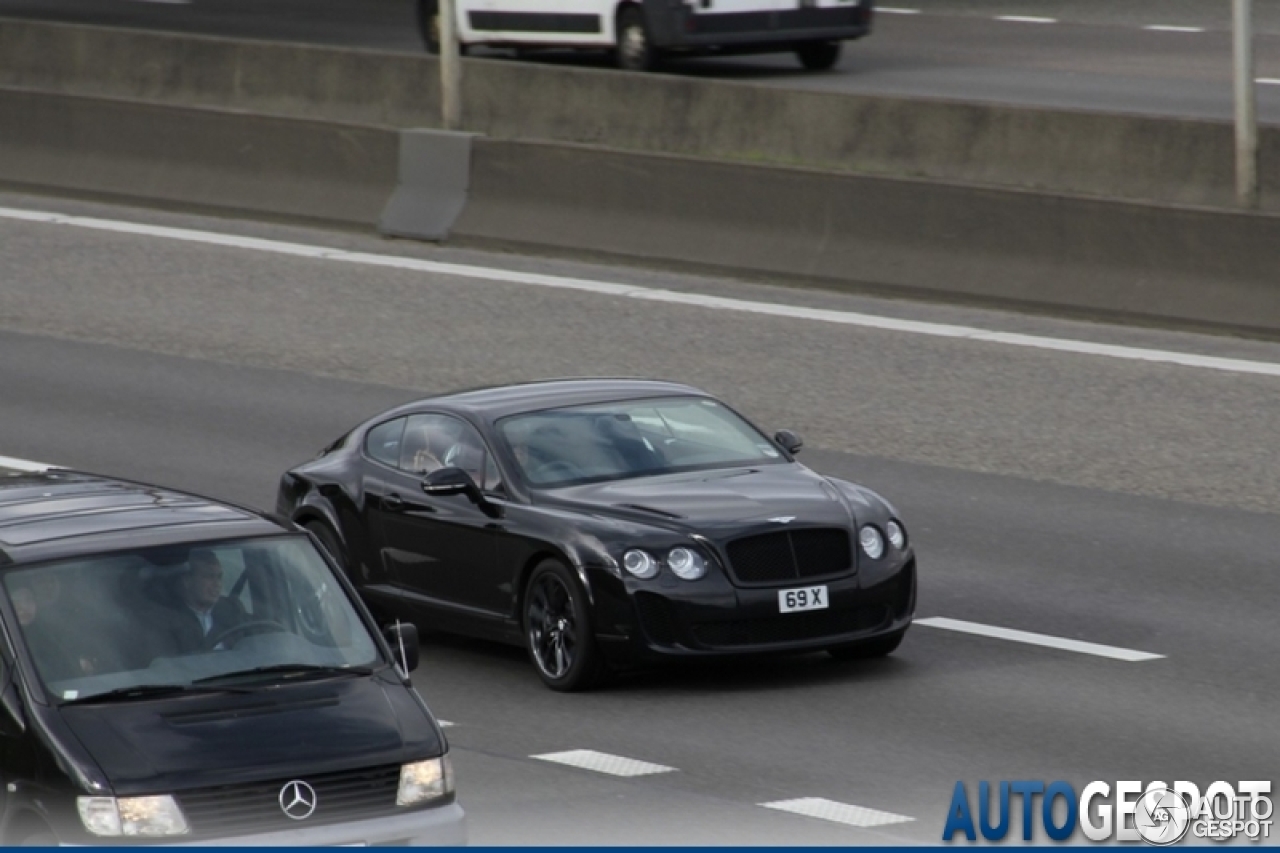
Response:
column 180, row 670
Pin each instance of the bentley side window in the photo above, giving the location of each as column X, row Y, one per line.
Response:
column 438, row 441
column 383, row 442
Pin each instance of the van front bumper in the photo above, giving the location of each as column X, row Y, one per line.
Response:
column 444, row 826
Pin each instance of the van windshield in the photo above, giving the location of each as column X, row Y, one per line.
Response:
column 186, row 614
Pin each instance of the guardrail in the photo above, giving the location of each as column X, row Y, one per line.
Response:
column 1105, row 155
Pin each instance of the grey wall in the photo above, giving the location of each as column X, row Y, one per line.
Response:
column 1176, row 161
column 898, row 235
column 197, row 158
column 1188, row 266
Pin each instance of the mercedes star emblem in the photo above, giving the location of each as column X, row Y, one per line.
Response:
column 298, row 800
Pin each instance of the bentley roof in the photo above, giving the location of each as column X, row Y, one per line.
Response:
column 501, row 400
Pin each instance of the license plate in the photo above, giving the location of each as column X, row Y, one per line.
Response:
column 804, row 598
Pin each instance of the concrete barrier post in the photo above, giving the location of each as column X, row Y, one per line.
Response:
column 1246, row 104
column 450, row 67
column 431, row 186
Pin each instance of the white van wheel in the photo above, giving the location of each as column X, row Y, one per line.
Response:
column 429, row 25
column 633, row 53
column 819, row 55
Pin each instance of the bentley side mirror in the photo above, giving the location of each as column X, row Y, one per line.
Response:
column 402, row 637
column 448, row 481
column 455, row 481
column 788, row 441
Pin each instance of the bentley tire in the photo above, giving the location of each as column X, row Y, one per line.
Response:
column 329, row 541
column 557, row 629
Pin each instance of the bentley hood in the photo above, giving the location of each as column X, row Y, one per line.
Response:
column 717, row 502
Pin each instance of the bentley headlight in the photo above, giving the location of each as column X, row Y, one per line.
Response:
column 425, row 780
column 640, row 563
column 150, row 817
column 897, row 536
column 686, row 563
column 871, row 541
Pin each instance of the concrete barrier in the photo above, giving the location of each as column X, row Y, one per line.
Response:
column 1105, row 155
column 197, row 158
column 1187, row 266
column 433, row 176
column 1191, row 267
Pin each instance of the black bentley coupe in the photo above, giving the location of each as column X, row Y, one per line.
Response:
column 600, row 522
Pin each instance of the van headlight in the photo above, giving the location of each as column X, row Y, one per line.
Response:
column 150, row 817
column 425, row 780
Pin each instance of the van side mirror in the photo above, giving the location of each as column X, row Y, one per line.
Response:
column 402, row 637
column 788, row 441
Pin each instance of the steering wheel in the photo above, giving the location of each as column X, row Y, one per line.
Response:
column 255, row 626
column 548, row 470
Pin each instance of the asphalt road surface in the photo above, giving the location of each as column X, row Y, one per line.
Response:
column 1077, row 495
column 1162, row 57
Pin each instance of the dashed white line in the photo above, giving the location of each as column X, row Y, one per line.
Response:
column 1113, row 652
column 699, row 300
column 1026, row 19
column 1169, row 28
column 603, row 762
column 837, row 812
column 1268, row 81
column 891, row 10
column 444, row 724
column 24, row 465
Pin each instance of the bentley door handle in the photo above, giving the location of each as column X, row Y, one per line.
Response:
column 393, row 502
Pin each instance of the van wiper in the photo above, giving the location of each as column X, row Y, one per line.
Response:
column 147, row 691
column 289, row 669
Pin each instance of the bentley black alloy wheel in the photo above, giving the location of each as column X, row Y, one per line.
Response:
column 557, row 629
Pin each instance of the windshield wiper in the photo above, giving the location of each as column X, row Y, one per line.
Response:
column 289, row 669
column 148, row 691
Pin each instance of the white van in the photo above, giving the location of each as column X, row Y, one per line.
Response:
column 639, row 32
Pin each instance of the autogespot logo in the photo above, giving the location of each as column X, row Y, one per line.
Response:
column 298, row 800
column 1162, row 816
column 1158, row 814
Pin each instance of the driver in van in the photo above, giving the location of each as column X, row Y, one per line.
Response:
column 202, row 613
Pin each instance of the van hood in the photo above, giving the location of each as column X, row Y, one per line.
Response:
column 175, row 743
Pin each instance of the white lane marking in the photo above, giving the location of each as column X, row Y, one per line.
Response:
column 890, row 10
column 837, row 812
column 1167, row 28
column 1026, row 19
column 822, row 315
column 603, row 762
column 1268, row 81
column 444, row 724
column 1113, row 652
column 24, row 464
